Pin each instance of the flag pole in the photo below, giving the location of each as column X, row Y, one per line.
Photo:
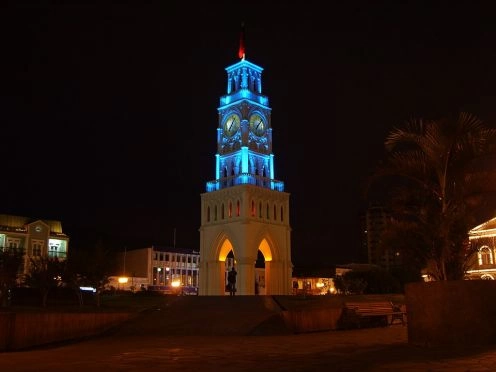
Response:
column 241, row 50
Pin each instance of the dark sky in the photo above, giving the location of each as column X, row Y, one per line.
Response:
column 109, row 111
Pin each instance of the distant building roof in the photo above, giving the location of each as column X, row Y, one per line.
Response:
column 8, row 220
column 359, row 266
column 158, row 248
column 314, row 272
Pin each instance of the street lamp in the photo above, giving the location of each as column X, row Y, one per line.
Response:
column 121, row 280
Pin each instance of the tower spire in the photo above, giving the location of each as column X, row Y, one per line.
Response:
column 241, row 50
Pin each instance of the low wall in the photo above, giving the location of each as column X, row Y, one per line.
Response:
column 312, row 320
column 24, row 330
column 460, row 312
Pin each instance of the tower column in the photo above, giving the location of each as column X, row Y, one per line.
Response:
column 279, row 278
column 212, row 282
column 245, row 282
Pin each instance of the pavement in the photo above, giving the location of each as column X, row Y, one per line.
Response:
column 242, row 333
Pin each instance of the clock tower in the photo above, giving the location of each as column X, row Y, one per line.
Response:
column 245, row 210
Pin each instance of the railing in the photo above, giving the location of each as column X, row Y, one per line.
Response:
column 12, row 228
column 244, row 94
column 56, row 254
column 245, row 179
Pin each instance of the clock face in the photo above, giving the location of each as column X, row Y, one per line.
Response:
column 257, row 124
column 37, row 228
column 231, row 125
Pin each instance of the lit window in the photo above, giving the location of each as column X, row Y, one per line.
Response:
column 485, row 256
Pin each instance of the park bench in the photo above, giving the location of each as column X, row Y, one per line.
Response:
column 379, row 312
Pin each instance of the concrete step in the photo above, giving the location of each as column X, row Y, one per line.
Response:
column 210, row 315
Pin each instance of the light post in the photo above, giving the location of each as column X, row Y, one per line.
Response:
column 122, row 280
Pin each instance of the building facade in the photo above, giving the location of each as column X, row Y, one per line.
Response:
column 37, row 238
column 482, row 264
column 157, row 266
column 245, row 210
column 374, row 224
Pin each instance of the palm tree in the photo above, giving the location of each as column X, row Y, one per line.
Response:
column 434, row 186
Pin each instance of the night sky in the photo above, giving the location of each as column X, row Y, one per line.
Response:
column 109, row 112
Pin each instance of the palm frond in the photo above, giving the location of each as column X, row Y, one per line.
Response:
column 430, row 184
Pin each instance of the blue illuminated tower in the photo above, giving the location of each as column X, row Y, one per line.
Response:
column 244, row 134
column 245, row 209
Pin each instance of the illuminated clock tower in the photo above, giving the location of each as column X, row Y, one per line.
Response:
column 245, row 210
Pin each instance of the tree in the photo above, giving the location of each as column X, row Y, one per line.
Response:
column 10, row 262
column 72, row 278
column 45, row 273
column 350, row 282
column 94, row 267
column 434, row 183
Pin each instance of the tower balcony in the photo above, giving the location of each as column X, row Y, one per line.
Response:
column 244, row 94
column 245, row 179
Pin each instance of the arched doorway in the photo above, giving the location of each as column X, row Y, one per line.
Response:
column 252, row 265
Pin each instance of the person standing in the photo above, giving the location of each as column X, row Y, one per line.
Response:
column 231, row 280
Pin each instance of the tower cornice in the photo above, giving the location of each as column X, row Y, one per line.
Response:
column 244, row 63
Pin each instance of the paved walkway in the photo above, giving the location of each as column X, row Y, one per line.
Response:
column 147, row 345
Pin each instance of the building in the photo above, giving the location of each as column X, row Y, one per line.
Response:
column 313, row 281
column 482, row 264
column 245, row 210
column 157, row 266
column 38, row 238
column 374, row 224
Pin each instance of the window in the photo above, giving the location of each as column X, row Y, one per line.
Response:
column 57, row 248
column 37, row 246
column 13, row 243
column 53, row 249
column 485, row 256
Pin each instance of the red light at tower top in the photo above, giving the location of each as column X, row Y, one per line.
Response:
column 241, row 51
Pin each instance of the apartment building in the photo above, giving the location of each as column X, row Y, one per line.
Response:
column 37, row 237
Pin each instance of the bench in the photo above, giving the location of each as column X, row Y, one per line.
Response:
column 383, row 312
